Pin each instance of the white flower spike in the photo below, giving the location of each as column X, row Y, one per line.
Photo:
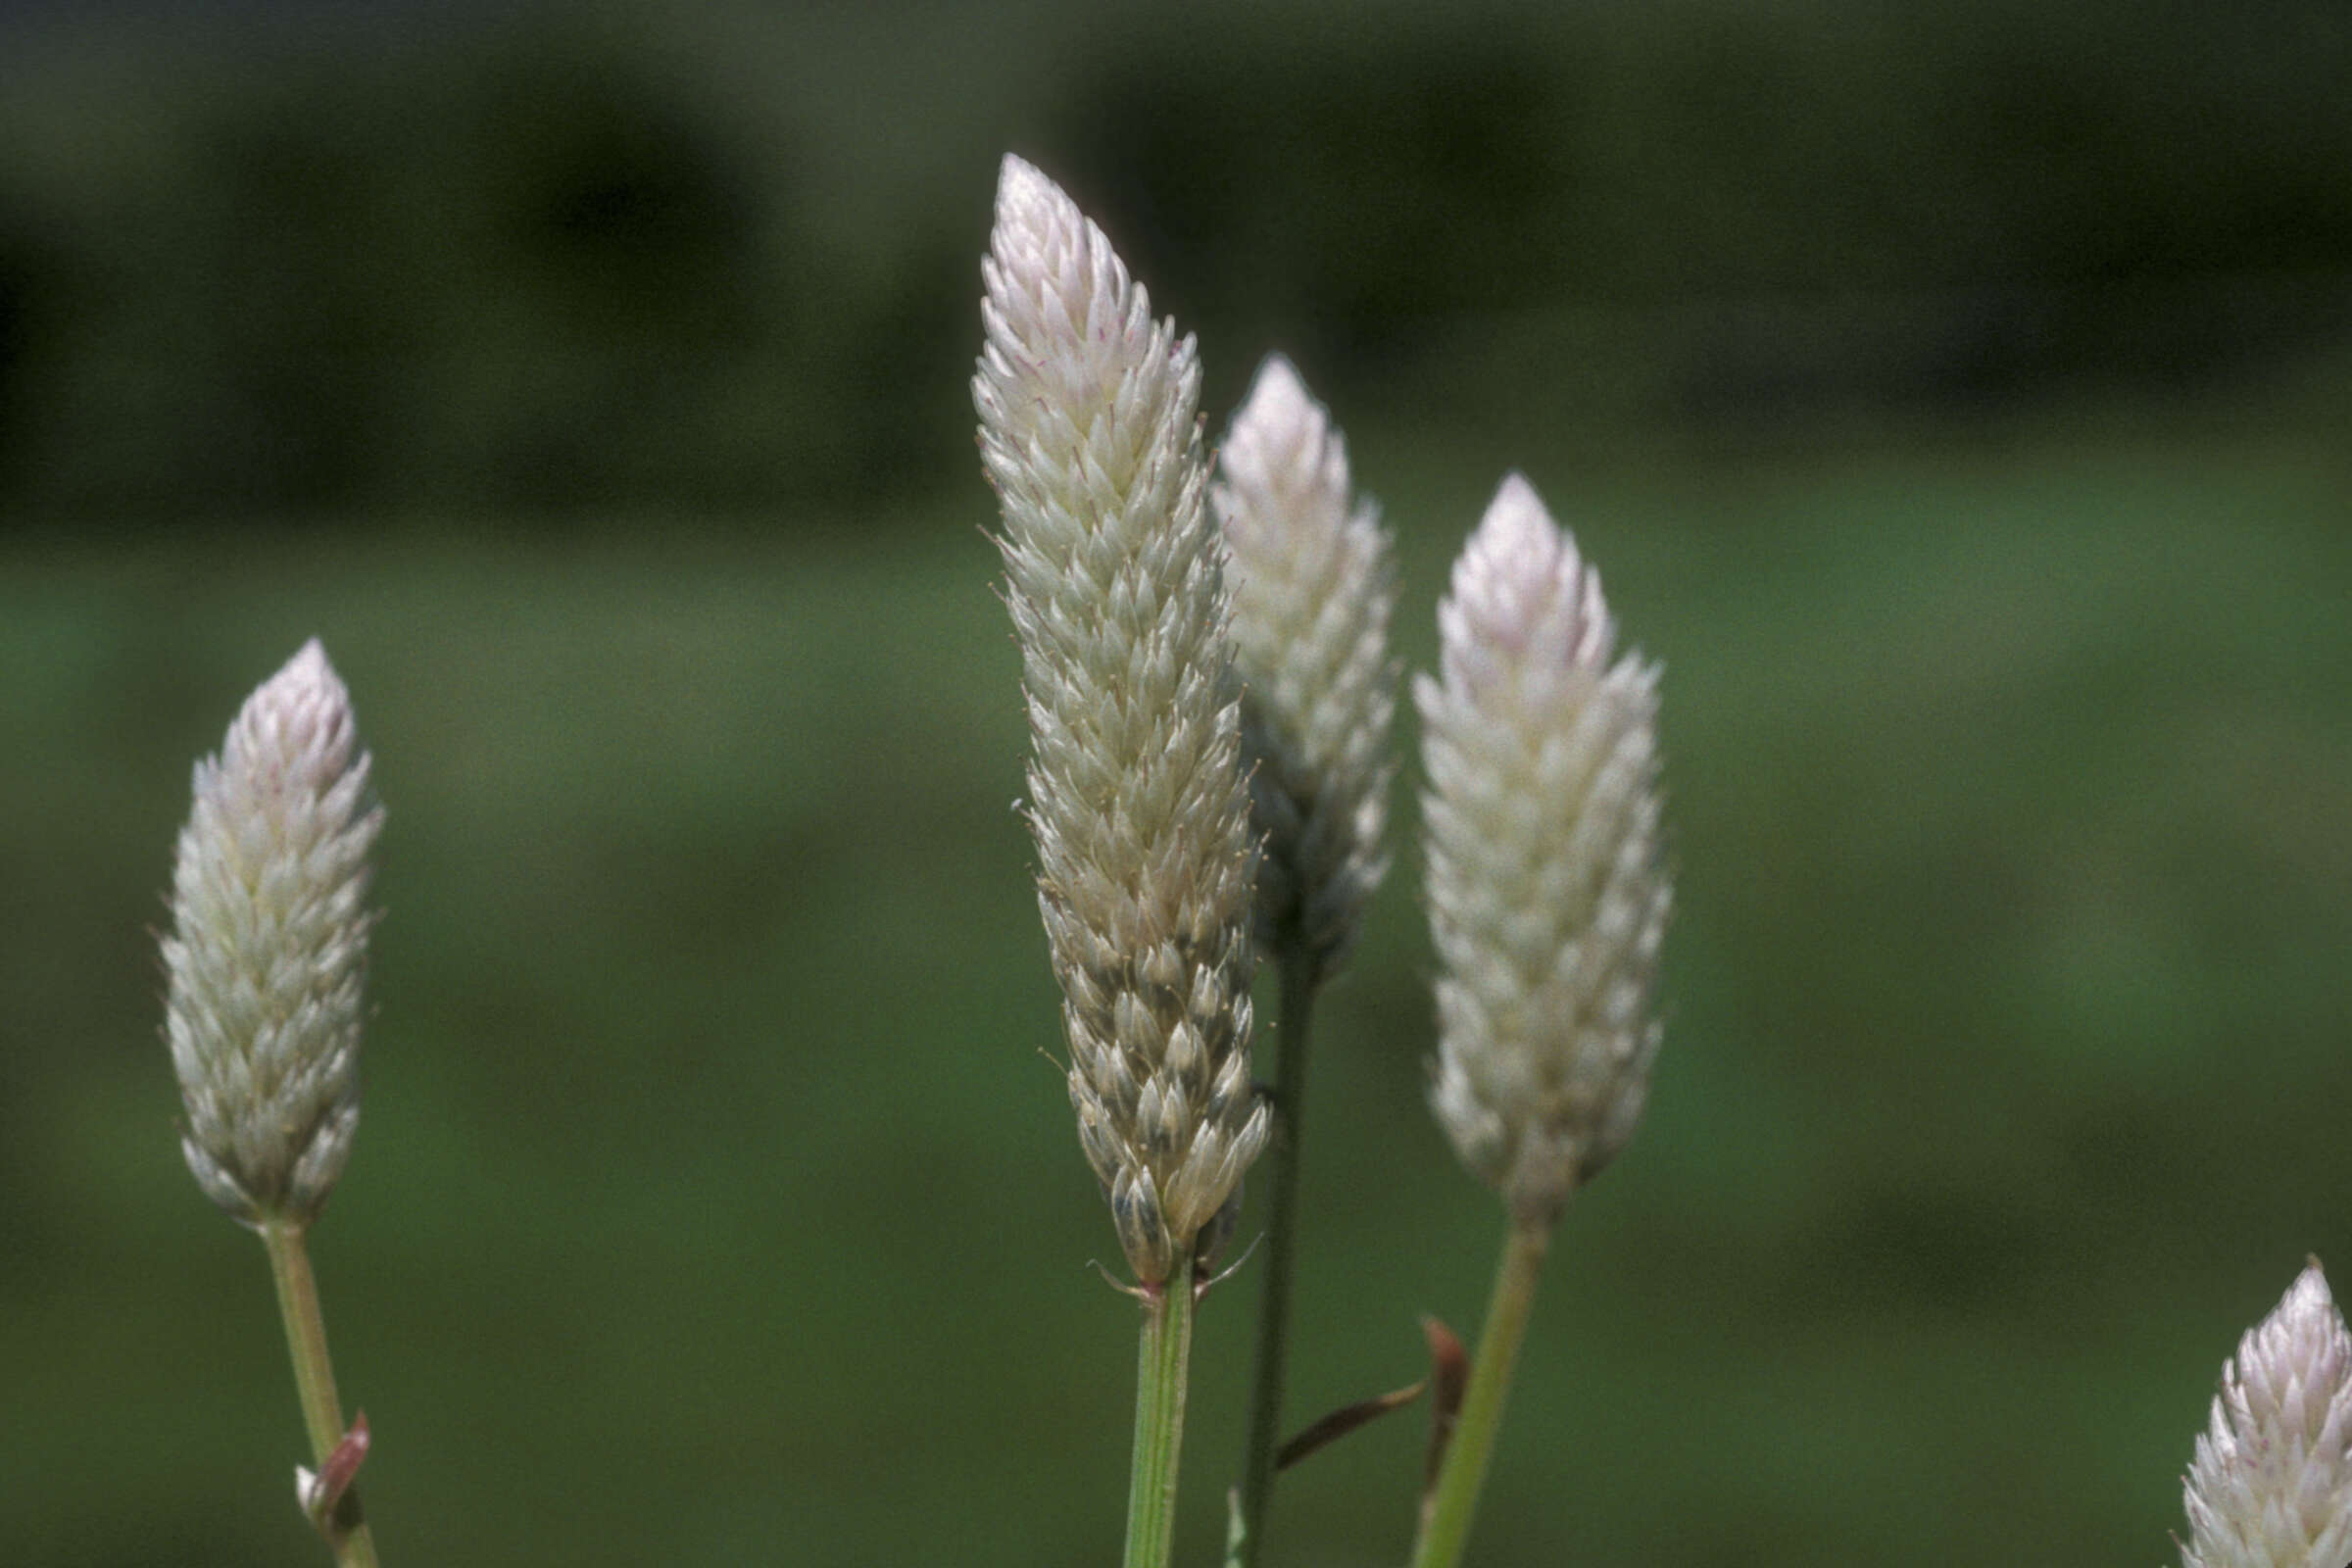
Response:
column 1313, row 588
column 1547, row 896
column 268, row 949
column 2271, row 1484
column 1089, row 434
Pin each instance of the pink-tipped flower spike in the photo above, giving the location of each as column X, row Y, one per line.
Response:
column 268, row 949
column 2271, row 1484
column 1547, row 894
column 1313, row 588
column 1113, row 574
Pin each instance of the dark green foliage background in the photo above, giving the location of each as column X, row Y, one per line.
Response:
column 1954, row 398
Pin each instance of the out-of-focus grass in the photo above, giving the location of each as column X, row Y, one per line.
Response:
column 715, row 1201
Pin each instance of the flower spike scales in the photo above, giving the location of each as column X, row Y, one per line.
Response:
column 1113, row 574
column 268, row 949
column 1314, row 586
column 1547, row 893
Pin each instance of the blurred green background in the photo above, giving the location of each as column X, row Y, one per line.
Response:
column 1954, row 396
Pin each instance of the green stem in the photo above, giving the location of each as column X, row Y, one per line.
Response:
column 1446, row 1517
column 314, row 1378
column 1161, row 1365
column 1297, row 1001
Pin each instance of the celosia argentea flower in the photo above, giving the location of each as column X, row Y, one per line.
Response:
column 1112, row 572
column 268, row 949
column 2270, row 1486
column 1312, row 591
column 1547, row 896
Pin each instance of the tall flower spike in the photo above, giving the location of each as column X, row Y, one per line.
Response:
column 1113, row 577
column 269, row 947
column 1313, row 587
column 2270, row 1486
column 1548, row 898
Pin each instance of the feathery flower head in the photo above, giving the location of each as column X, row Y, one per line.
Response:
column 1548, row 898
column 1313, row 587
column 270, row 945
column 2270, row 1486
column 1113, row 569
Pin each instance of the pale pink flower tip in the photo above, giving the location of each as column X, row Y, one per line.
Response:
column 2270, row 1484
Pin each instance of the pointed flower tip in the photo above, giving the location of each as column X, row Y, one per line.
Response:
column 1281, row 440
column 1522, row 582
column 2271, row 1481
column 295, row 725
column 1016, row 179
column 2300, row 1330
column 1015, row 172
column 309, row 671
column 1277, row 389
column 1027, row 201
column 1518, row 522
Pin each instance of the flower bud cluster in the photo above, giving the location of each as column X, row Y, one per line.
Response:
column 268, row 949
column 1548, row 898
column 1313, row 588
column 2270, row 1486
column 1113, row 574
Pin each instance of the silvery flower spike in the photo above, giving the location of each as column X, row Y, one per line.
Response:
column 1313, row 588
column 1089, row 434
column 2271, row 1484
column 1548, row 898
column 269, row 947
column 1548, row 904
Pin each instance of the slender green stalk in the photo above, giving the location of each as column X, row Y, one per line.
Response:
column 1446, row 1517
column 1296, row 1003
column 1162, row 1364
column 314, row 1377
